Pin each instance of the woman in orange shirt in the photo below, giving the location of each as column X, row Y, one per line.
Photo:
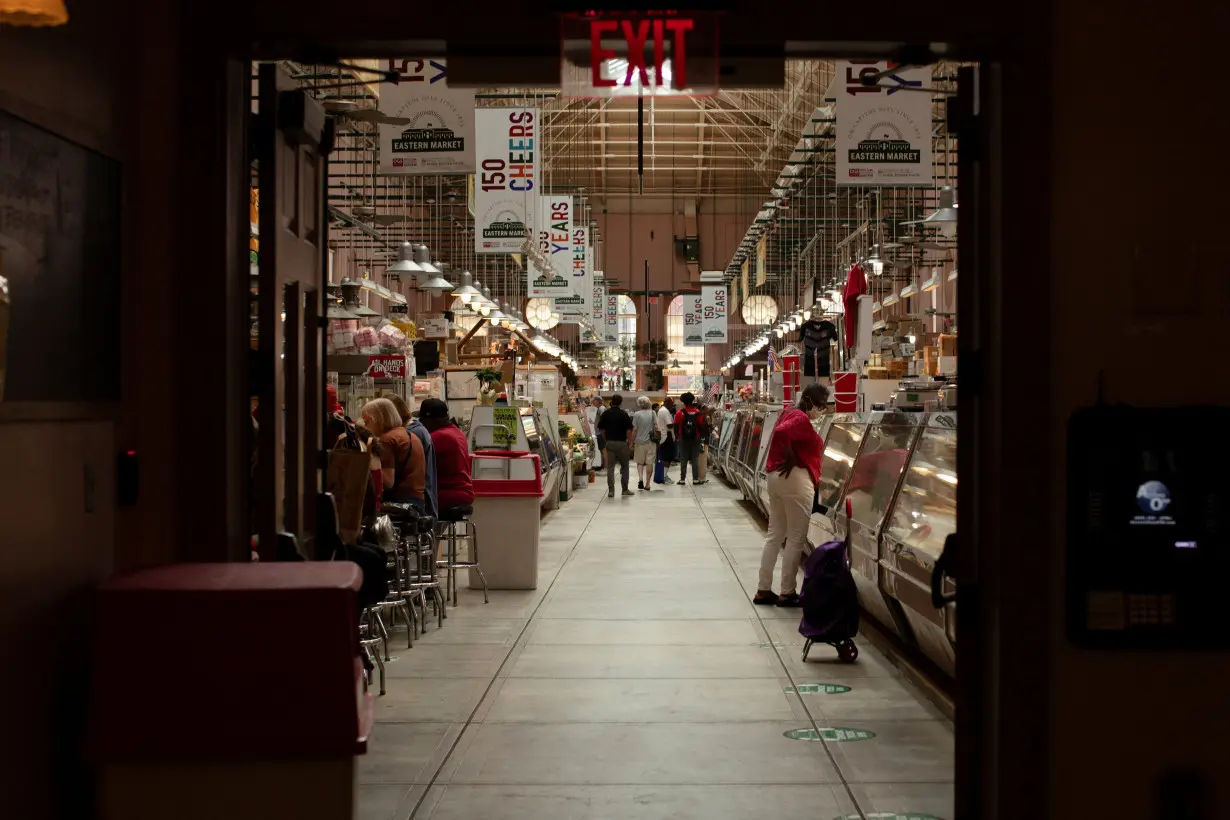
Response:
column 402, row 461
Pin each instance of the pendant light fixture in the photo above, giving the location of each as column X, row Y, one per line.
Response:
column 467, row 292
column 405, row 261
column 350, row 300
column 438, row 284
column 945, row 216
column 488, row 304
column 422, row 256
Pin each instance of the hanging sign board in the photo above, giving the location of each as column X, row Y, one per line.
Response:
column 576, row 305
column 386, row 367
column 746, row 282
column 555, row 240
column 883, row 130
column 506, row 188
column 438, row 135
column 761, row 261
column 598, row 303
column 714, row 306
column 654, row 53
column 610, row 324
column 693, row 319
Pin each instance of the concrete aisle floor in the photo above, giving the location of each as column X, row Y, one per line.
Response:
column 638, row 681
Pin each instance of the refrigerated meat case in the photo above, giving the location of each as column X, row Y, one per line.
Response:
column 898, row 471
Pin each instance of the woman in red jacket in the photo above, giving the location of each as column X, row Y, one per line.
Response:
column 453, row 484
column 793, row 468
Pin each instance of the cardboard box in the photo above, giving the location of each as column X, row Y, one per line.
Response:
column 948, row 344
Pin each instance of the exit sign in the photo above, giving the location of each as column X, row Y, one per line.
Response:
column 646, row 53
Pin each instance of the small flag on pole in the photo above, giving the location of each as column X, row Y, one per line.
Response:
column 775, row 361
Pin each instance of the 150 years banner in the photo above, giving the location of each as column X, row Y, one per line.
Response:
column 883, row 130
column 554, row 227
column 438, row 135
column 506, row 179
column 715, row 304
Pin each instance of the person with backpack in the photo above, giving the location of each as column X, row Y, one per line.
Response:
column 690, row 434
column 666, row 439
column 793, row 470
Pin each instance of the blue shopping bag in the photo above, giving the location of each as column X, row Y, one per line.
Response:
column 659, row 472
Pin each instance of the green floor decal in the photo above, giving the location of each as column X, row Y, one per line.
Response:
column 816, row 689
column 836, row 734
column 767, row 645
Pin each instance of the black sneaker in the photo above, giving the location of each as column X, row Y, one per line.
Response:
column 765, row 597
column 640, row 485
column 698, row 483
column 791, row 600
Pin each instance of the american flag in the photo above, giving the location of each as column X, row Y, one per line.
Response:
column 775, row 360
column 714, row 390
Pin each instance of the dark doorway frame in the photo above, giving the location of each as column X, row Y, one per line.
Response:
column 1001, row 746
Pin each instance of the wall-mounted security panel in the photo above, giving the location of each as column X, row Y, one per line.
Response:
column 1148, row 535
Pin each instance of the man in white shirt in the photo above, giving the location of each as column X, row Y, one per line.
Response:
column 666, row 440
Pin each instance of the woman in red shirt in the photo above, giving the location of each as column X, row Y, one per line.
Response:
column 793, row 468
column 453, row 484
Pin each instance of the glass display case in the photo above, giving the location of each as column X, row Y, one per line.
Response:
column 841, row 446
column 922, row 516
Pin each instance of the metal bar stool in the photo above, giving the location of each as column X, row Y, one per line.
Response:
column 450, row 519
column 416, row 545
column 369, row 640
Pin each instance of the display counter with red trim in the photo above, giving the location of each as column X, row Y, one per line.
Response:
column 229, row 690
column 507, row 507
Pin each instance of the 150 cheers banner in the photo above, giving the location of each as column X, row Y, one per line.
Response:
column 506, row 179
column 576, row 305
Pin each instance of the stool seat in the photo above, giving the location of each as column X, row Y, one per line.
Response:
column 458, row 513
column 400, row 512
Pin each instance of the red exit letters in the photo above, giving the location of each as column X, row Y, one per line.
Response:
column 636, row 33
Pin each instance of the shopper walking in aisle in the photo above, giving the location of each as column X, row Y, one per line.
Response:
column 690, row 434
column 793, row 469
column 645, row 452
column 596, row 410
column 616, row 427
column 403, row 464
column 666, row 445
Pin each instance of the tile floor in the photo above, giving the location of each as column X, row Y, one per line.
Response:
column 638, row 681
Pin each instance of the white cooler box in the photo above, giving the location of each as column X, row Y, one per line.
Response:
column 507, row 501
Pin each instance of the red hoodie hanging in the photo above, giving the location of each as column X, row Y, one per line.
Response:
column 856, row 286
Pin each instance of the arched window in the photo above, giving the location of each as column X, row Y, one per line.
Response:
column 691, row 358
column 627, row 322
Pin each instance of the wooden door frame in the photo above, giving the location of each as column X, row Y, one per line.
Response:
column 1011, row 731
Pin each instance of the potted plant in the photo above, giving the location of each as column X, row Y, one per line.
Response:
column 489, row 380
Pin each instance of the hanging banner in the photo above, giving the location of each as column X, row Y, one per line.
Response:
column 761, row 261
column 883, row 130
column 575, row 306
column 715, row 306
column 693, row 320
column 555, row 240
column 610, row 324
column 746, row 282
column 598, row 304
column 438, row 137
column 505, row 195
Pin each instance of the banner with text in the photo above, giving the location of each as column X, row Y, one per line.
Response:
column 575, row 306
column 747, row 284
column 555, row 241
column 883, row 130
column 436, row 135
column 715, row 305
column 598, row 305
column 693, row 320
column 610, row 325
column 506, row 188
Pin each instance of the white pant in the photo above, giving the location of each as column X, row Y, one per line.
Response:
column 790, row 502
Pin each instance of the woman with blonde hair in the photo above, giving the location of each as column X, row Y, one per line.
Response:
column 403, row 466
